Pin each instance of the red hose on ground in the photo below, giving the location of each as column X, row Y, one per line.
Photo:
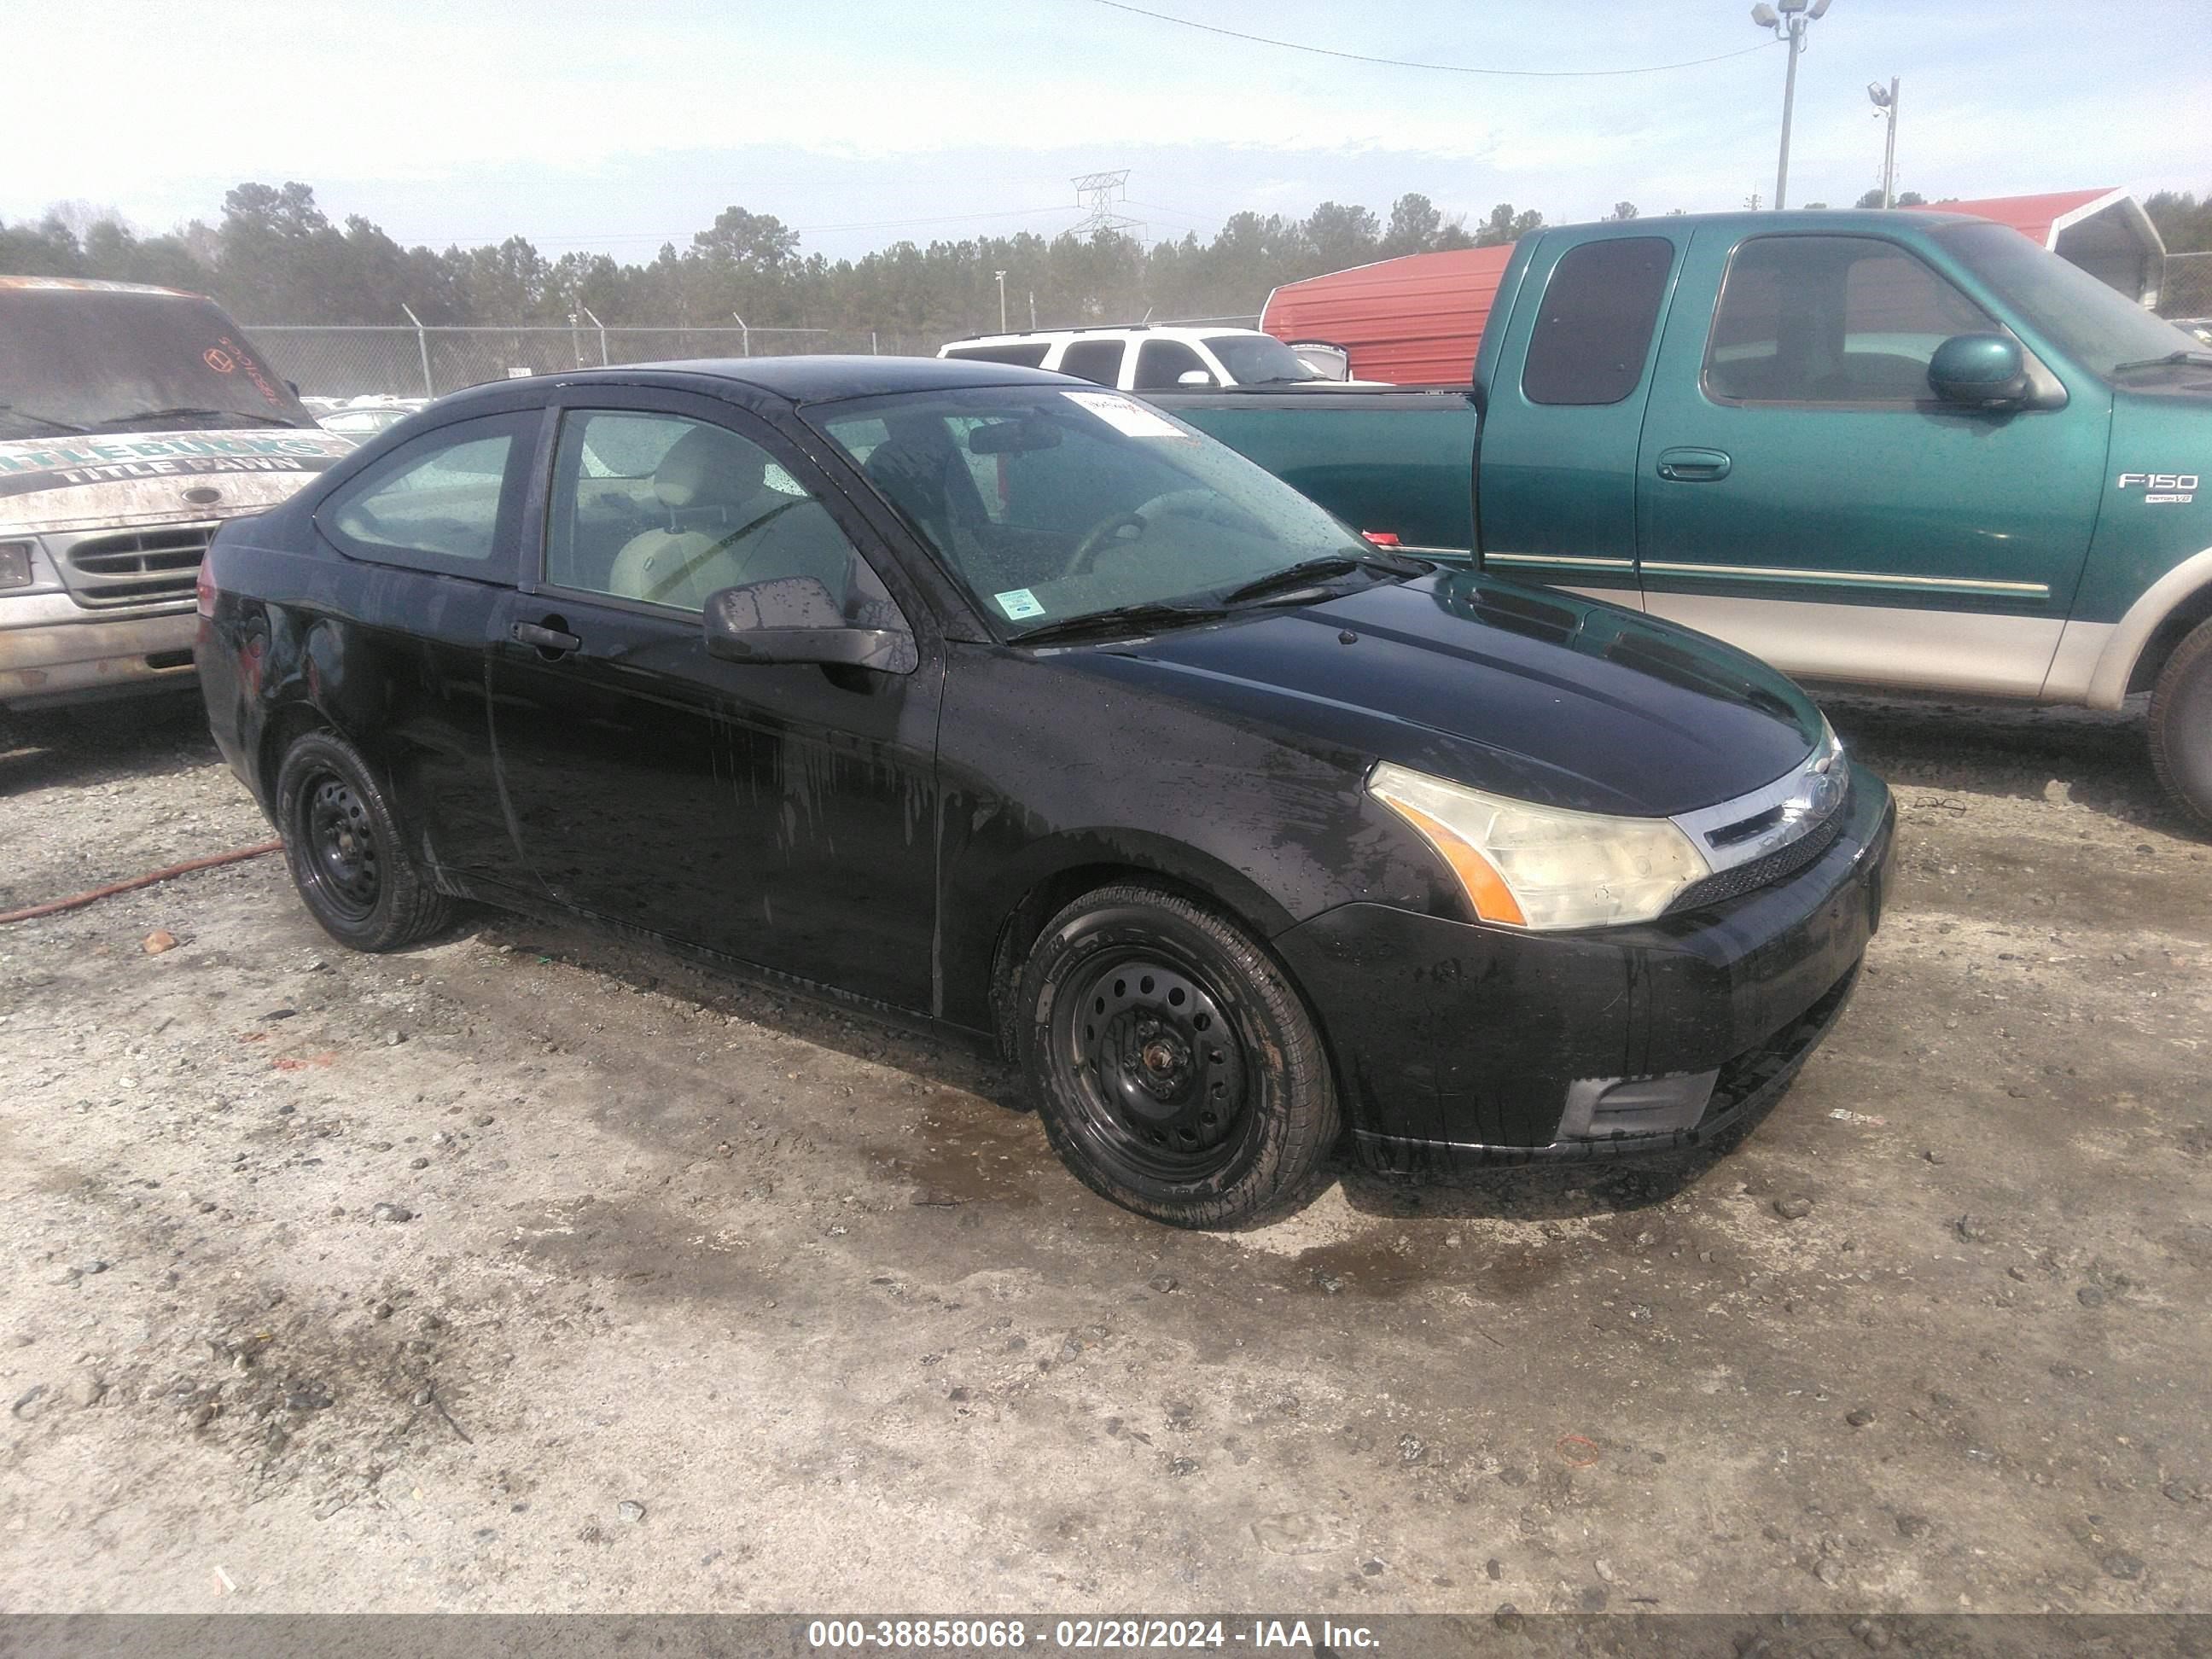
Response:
column 185, row 869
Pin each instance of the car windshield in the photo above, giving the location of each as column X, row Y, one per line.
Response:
column 97, row 359
column 2097, row 327
column 1256, row 359
column 1048, row 505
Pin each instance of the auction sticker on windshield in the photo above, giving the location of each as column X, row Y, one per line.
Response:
column 1125, row 415
column 1019, row 604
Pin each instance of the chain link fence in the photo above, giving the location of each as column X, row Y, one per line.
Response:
column 369, row 361
column 2186, row 290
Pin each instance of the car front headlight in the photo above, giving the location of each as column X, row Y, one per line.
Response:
column 1541, row 867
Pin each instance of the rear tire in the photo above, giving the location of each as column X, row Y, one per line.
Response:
column 1175, row 1067
column 2181, row 726
column 347, row 853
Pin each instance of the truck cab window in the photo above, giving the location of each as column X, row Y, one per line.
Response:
column 1594, row 330
column 1830, row 319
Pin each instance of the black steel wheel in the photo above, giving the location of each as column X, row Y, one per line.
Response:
column 345, row 851
column 2181, row 725
column 1176, row 1069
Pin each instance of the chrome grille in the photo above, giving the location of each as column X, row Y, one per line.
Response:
column 135, row 567
column 1772, row 833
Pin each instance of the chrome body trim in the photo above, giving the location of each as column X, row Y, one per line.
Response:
column 1771, row 817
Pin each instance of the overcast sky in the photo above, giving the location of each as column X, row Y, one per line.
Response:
column 621, row 124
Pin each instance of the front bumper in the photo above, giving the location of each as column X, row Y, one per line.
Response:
column 1457, row 1044
column 53, row 651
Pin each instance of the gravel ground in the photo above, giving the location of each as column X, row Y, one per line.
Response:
column 527, row 1271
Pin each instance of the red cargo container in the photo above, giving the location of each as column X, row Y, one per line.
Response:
column 1414, row 320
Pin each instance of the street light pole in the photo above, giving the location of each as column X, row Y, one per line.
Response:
column 1885, row 104
column 1789, row 25
column 1001, row 276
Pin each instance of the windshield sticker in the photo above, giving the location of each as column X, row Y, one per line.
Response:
column 1019, row 604
column 1125, row 415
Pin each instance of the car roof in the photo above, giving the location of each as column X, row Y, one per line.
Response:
column 1108, row 332
column 810, row 379
column 1795, row 221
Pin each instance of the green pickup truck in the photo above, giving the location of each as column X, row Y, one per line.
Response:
column 1882, row 449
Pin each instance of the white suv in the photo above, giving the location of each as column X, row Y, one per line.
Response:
column 1139, row 358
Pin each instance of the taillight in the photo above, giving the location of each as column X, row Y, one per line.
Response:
column 1380, row 537
column 203, row 587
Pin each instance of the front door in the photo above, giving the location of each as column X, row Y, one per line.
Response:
column 784, row 815
column 1801, row 493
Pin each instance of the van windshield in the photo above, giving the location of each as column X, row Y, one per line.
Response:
column 2096, row 325
column 75, row 360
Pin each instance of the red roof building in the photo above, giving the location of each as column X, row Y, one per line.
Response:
column 1414, row 320
column 2105, row 232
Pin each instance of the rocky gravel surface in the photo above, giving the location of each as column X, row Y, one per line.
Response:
column 529, row 1271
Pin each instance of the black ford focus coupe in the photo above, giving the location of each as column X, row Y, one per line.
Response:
column 993, row 696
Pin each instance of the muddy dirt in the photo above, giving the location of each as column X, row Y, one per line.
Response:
column 527, row 1271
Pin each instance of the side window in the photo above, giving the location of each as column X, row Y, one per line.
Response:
column 1160, row 362
column 1594, row 329
column 438, row 503
column 1830, row 319
column 1093, row 360
column 667, row 510
column 1021, row 356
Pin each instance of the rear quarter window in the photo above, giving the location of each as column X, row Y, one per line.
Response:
column 1027, row 355
column 446, row 501
column 1594, row 329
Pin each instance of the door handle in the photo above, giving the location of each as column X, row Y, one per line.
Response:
column 554, row 641
column 1693, row 465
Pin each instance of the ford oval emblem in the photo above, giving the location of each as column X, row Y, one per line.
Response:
column 204, row 494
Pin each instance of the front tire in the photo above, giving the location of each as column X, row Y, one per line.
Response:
column 2181, row 726
column 1175, row 1067
column 347, row 854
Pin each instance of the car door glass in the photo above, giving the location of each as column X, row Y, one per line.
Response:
column 1159, row 363
column 667, row 510
column 435, row 503
column 1594, row 330
column 1093, row 360
column 1832, row 319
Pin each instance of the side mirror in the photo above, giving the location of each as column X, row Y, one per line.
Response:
column 1980, row 371
column 795, row 619
column 1195, row 377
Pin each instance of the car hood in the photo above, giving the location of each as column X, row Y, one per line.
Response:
column 1523, row 691
column 63, row 483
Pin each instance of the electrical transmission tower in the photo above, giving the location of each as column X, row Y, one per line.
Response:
column 1099, row 192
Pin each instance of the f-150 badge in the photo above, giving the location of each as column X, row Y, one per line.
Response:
column 2162, row 486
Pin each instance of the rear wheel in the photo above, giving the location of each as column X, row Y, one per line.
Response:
column 1176, row 1068
column 2181, row 725
column 347, row 855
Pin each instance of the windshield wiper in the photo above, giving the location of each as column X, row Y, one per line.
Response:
column 47, row 421
column 188, row 412
column 1122, row 619
column 1308, row 571
column 2184, row 356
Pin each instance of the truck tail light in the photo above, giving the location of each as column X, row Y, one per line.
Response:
column 204, row 589
column 1381, row 537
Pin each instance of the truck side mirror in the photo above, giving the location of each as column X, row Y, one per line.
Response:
column 1980, row 371
column 1194, row 377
